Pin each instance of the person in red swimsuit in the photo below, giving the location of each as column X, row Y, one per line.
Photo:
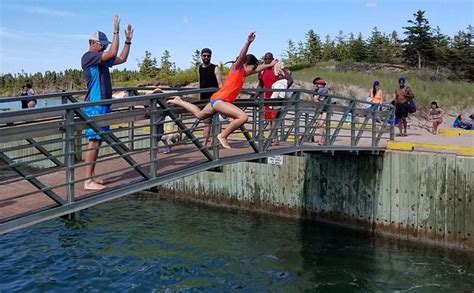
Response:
column 223, row 100
column 266, row 79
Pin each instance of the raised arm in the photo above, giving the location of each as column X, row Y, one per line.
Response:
column 126, row 48
column 112, row 52
column 243, row 52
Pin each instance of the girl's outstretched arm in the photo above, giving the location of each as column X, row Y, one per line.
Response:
column 243, row 52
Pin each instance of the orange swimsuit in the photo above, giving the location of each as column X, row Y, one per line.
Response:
column 232, row 86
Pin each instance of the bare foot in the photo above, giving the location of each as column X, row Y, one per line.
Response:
column 91, row 185
column 99, row 180
column 175, row 101
column 223, row 142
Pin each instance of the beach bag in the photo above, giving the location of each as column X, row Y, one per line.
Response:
column 411, row 106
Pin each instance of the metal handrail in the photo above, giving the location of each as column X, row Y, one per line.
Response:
column 138, row 143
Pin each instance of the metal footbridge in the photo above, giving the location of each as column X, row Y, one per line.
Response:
column 41, row 149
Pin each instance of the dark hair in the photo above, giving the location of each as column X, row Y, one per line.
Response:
column 435, row 103
column 268, row 53
column 28, row 85
column 374, row 90
column 206, row 50
column 316, row 80
column 250, row 59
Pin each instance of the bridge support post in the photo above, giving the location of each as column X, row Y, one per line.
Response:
column 261, row 126
column 328, row 122
column 131, row 126
column 69, row 157
column 353, row 125
column 216, row 129
column 297, row 119
column 153, row 138
column 374, row 128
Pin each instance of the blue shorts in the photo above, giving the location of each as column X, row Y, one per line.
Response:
column 94, row 111
column 215, row 101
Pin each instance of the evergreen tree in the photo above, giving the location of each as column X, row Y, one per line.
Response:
column 418, row 44
column 357, row 48
column 290, row 55
column 148, row 66
column 441, row 48
column 313, row 47
column 301, row 52
column 342, row 49
column 196, row 59
column 462, row 53
column 379, row 48
column 167, row 67
column 397, row 51
column 329, row 49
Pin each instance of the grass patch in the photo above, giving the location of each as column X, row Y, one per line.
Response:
column 448, row 93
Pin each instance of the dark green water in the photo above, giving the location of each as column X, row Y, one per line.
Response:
column 144, row 245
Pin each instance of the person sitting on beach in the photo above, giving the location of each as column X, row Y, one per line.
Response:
column 222, row 101
column 376, row 94
column 28, row 90
column 436, row 114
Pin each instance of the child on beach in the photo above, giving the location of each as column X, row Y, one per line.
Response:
column 222, row 101
column 436, row 114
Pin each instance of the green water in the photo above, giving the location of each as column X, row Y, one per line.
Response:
column 152, row 245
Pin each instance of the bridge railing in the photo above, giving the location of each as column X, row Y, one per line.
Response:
column 41, row 149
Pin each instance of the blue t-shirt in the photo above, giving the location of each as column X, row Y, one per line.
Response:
column 97, row 75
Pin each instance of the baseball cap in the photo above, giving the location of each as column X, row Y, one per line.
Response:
column 100, row 37
column 401, row 80
column 321, row 81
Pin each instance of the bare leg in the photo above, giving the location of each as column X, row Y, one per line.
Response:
column 91, row 158
column 206, row 112
column 405, row 125
column 207, row 135
column 400, row 126
column 238, row 116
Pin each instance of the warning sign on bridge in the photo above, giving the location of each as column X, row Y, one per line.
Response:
column 275, row 160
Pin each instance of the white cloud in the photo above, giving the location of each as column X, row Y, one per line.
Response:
column 371, row 3
column 46, row 11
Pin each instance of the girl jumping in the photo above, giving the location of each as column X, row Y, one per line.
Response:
column 223, row 100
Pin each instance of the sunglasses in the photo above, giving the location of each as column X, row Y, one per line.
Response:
column 206, row 56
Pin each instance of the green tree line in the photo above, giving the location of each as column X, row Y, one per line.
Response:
column 421, row 46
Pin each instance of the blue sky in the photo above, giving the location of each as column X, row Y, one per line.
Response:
column 52, row 35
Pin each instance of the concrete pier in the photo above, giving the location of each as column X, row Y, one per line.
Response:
column 425, row 197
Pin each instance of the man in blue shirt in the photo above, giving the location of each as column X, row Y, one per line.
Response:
column 96, row 63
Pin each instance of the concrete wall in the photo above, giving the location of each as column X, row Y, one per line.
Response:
column 420, row 196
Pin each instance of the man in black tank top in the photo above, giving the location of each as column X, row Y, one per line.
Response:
column 209, row 76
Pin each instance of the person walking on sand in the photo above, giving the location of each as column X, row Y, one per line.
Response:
column 436, row 114
column 222, row 101
column 95, row 64
column 402, row 94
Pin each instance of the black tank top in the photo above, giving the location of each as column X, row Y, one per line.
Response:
column 207, row 78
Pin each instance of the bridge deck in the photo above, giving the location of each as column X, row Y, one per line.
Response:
column 14, row 204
